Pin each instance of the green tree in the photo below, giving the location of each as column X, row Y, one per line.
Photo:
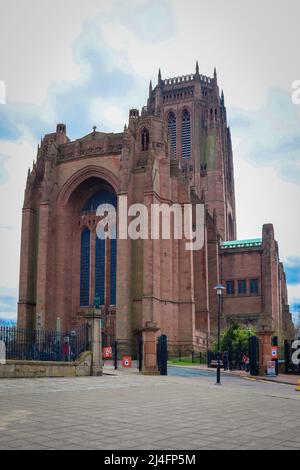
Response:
column 235, row 337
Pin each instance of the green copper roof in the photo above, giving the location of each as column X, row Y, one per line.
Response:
column 242, row 243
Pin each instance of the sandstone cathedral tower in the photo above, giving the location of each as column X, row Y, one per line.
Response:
column 177, row 150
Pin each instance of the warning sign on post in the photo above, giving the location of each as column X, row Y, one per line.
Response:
column 271, row 368
column 126, row 361
column 107, row 352
column 274, row 352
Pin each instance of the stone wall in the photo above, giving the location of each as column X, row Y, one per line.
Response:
column 29, row 369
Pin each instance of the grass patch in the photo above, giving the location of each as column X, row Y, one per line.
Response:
column 183, row 362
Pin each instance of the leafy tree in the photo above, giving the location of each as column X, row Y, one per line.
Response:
column 236, row 336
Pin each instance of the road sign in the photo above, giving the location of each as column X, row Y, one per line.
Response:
column 126, row 361
column 271, row 368
column 274, row 352
column 107, row 352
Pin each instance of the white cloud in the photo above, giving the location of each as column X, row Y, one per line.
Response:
column 19, row 158
column 112, row 114
column 8, row 315
column 2, row 92
column 254, row 46
column 36, row 43
column 263, row 197
column 294, row 300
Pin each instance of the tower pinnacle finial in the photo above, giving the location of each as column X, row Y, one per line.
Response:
column 222, row 98
column 215, row 74
column 150, row 87
column 159, row 75
column 197, row 68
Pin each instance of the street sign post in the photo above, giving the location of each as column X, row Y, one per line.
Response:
column 126, row 361
column 107, row 352
column 271, row 368
column 274, row 352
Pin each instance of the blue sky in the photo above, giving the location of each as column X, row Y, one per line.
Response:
column 87, row 63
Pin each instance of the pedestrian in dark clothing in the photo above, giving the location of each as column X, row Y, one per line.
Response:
column 66, row 351
column 246, row 362
column 225, row 360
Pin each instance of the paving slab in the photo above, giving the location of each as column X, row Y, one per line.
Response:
column 132, row 411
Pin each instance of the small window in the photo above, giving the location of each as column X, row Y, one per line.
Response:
column 254, row 286
column 145, row 139
column 242, row 287
column 230, row 287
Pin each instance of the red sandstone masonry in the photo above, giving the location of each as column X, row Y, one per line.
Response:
column 157, row 280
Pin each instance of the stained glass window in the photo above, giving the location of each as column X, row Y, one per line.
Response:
column 85, row 268
column 101, row 197
column 113, row 269
column 100, row 270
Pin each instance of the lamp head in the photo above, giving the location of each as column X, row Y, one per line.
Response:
column 219, row 289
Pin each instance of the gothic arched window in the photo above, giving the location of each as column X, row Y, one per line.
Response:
column 113, row 271
column 85, row 268
column 172, row 131
column 145, row 139
column 100, row 270
column 186, row 134
column 105, row 254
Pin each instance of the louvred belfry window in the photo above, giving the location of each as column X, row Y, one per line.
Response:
column 186, row 134
column 172, row 131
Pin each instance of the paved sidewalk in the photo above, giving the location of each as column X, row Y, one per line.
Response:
column 131, row 411
column 288, row 379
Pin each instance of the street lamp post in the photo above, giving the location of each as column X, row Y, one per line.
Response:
column 219, row 290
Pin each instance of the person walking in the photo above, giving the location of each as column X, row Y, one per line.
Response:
column 225, row 360
column 66, row 350
column 247, row 363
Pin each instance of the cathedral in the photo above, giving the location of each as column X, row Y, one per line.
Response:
column 175, row 150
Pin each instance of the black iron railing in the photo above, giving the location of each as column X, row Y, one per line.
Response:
column 43, row 345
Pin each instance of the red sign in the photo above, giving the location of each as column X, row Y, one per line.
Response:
column 126, row 361
column 274, row 352
column 107, row 352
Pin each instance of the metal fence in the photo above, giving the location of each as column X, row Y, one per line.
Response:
column 187, row 356
column 42, row 345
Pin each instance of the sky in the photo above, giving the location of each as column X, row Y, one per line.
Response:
column 86, row 63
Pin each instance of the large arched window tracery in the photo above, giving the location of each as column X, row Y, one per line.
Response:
column 103, row 277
